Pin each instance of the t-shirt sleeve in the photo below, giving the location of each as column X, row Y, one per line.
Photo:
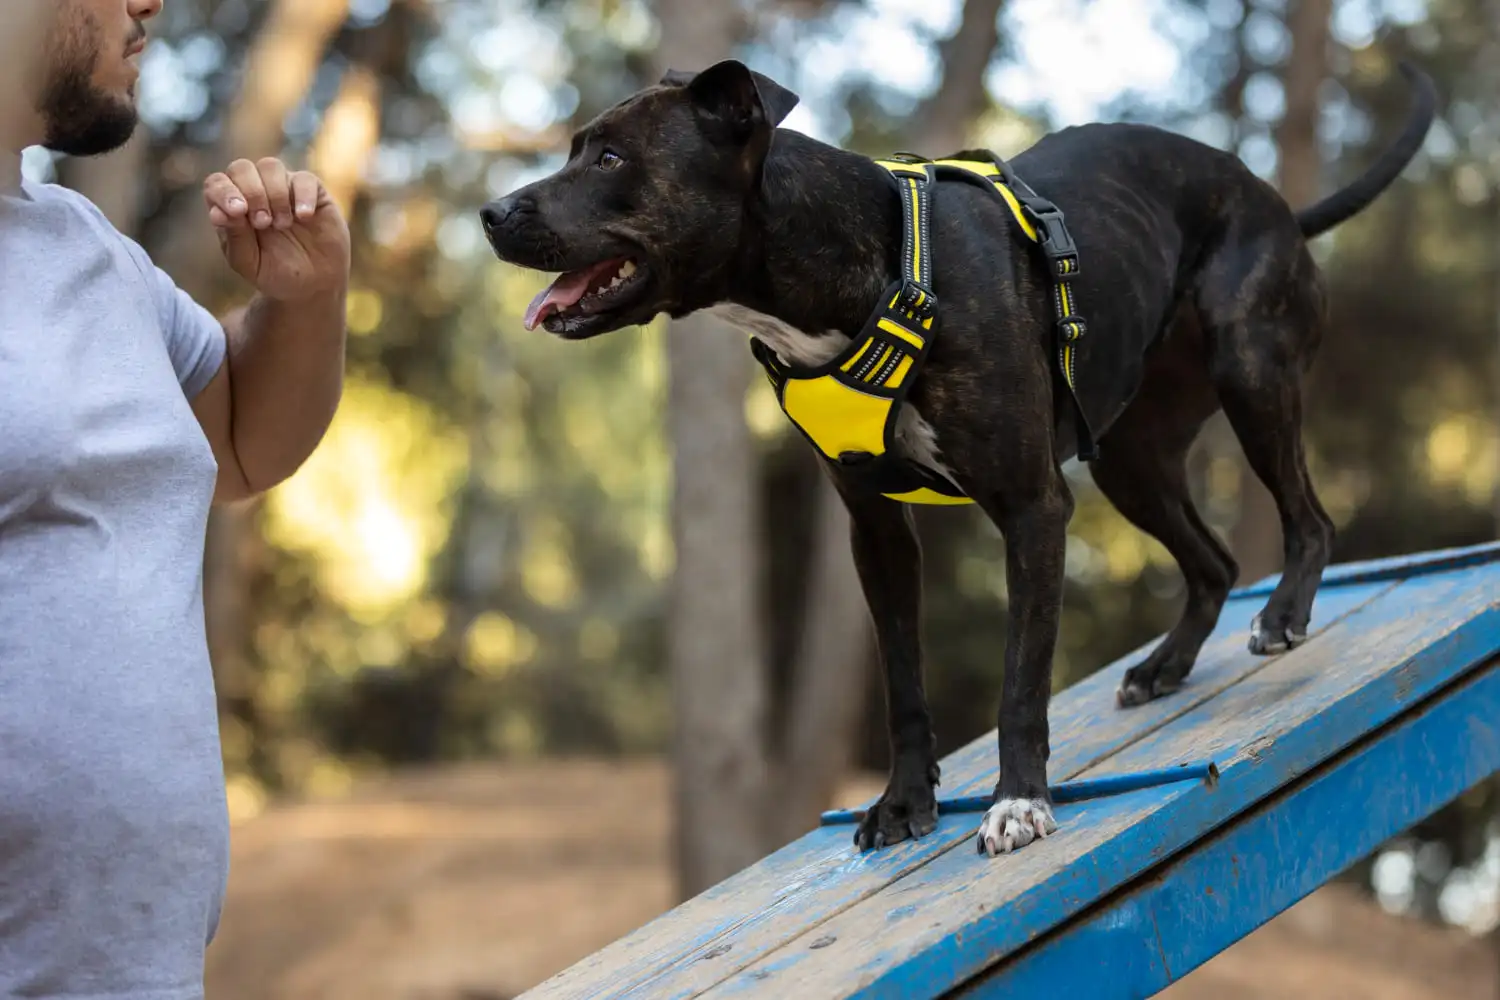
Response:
column 195, row 338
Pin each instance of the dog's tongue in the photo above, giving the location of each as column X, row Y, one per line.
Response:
column 566, row 290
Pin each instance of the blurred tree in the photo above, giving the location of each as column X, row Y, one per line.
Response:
column 1256, row 541
column 715, row 639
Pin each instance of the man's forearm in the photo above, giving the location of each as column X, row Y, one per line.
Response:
column 286, row 374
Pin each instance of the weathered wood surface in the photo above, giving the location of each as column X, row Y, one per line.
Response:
column 819, row 920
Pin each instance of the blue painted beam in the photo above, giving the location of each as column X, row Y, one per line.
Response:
column 1157, row 930
column 1392, row 568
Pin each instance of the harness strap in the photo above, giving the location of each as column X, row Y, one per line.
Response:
column 848, row 407
column 1050, row 233
column 1044, row 225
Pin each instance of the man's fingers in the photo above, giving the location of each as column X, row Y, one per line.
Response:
column 226, row 205
column 307, row 192
column 277, row 181
column 246, row 178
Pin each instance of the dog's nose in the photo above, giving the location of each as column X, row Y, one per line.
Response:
column 493, row 215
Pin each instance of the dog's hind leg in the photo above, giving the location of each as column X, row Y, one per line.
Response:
column 1263, row 310
column 1142, row 470
column 888, row 559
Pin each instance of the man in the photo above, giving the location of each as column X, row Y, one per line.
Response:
column 125, row 409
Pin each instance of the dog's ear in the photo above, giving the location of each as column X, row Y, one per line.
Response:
column 741, row 97
column 677, row 78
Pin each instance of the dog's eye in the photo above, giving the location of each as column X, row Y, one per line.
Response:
column 609, row 160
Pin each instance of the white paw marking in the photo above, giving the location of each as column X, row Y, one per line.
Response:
column 1011, row 824
column 915, row 437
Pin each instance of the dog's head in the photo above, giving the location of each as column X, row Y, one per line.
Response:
column 646, row 215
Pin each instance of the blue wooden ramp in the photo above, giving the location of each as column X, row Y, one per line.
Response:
column 1389, row 711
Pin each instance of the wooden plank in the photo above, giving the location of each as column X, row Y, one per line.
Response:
column 1219, row 890
column 793, row 891
column 960, row 913
column 1391, row 568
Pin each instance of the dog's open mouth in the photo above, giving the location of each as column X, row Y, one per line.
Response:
column 591, row 291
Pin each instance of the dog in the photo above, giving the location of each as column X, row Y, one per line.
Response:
column 1199, row 293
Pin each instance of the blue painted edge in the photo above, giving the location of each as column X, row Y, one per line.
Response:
column 1390, row 568
column 1173, row 919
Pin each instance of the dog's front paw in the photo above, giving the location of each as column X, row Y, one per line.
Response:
column 907, row 810
column 1141, row 686
column 1011, row 824
column 896, row 818
column 1267, row 640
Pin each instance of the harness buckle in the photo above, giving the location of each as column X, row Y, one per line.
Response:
column 917, row 299
column 1057, row 242
column 1072, row 328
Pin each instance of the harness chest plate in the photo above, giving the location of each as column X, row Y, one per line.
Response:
column 849, row 407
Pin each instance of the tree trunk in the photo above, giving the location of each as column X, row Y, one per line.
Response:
column 1492, row 9
column 1256, row 538
column 348, row 136
column 827, row 694
column 715, row 644
column 942, row 122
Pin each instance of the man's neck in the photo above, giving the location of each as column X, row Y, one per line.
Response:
column 10, row 169
column 17, row 132
column 25, row 33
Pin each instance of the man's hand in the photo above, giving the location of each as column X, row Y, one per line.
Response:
column 269, row 405
column 279, row 230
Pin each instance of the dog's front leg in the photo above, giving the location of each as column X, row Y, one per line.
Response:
column 1035, row 542
column 888, row 558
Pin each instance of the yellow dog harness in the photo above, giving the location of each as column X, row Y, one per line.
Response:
column 848, row 407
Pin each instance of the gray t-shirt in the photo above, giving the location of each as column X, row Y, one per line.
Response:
column 114, row 834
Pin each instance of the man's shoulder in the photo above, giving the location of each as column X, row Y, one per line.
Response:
column 49, row 192
column 77, row 204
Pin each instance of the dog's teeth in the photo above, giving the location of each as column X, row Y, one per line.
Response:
column 626, row 270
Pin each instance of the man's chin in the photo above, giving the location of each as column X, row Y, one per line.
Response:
column 103, row 130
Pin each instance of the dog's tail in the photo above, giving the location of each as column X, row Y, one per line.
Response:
column 1344, row 203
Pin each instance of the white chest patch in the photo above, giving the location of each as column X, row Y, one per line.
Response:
column 915, row 438
column 791, row 345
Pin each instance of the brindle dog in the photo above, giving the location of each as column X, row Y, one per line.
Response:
column 1198, row 290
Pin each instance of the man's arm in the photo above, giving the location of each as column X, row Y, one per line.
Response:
column 275, row 394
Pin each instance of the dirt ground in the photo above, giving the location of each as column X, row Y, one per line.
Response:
column 476, row 883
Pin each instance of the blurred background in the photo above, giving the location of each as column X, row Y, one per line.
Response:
column 521, row 656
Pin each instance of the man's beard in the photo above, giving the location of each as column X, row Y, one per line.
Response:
column 81, row 119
